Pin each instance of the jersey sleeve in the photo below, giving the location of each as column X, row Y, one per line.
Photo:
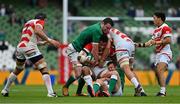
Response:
column 166, row 31
column 88, row 47
column 40, row 23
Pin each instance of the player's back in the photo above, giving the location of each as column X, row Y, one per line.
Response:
column 89, row 35
column 28, row 37
column 119, row 37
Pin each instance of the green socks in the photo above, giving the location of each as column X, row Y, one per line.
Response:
column 96, row 87
column 81, row 83
column 70, row 81
column 112, row 83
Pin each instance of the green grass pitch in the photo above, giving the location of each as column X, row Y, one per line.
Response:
column 37, row 94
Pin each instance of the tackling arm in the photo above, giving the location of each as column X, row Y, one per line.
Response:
column 42, row 35
column 95, row 50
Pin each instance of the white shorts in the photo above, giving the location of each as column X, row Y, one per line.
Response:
column 96, row 70
column 163, row 57
column 27, row 53
column 119, row 92
column 125, row 51
column 72, row 53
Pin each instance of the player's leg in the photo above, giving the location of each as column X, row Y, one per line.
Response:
column 65, row 88
column 20, row 65
column 161, row 67
column 41, row 65
column 131, row 62
column 97, row 86
column 88, row 79
column 162, row 61
column 113, row 81
column 118, row 91
column 81, row 84
column 77, row 69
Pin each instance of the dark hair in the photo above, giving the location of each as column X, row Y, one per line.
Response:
column 41, row 16
column 108, row 20
column 104, row 38
column 160, row 15
column 110, row 62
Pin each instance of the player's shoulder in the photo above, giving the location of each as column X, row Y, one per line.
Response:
column 38, row 21
column 166, row 26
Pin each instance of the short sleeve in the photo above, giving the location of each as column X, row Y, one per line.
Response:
column 88, row 47
column 166, row 31
column 40, row 23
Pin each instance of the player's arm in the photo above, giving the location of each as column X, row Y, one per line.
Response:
column 39, row 31
column 42, row 43
column 166, row 40
column 95, row 50
column 105, row 53
column 146, row 44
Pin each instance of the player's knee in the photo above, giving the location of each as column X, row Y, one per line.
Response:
column 42, row 65
column 123, row 63
column 114, row 73
column 114, row 77
column 99, row 81
column 86, row 70
column 20, row 66
column 77, row 66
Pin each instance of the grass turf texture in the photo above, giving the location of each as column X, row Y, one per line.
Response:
column 37, row 94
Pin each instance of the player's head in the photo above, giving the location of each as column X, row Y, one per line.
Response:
column 40, row 16
column 107, row 23
column 103, row 40
column 159, row 18
column 111, row 66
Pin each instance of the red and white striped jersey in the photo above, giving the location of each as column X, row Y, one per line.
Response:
column 159, row 34
column 28, row 37
column 118, row 37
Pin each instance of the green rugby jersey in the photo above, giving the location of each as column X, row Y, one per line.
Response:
column 91, row 34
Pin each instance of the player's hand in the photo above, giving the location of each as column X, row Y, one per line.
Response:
column 153, row 42
column 150, row 43
column 55, row 43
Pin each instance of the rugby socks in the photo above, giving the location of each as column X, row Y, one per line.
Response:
column 69, row 81
column 135, row 82
column 142, row 89
column 47, row 82
column 163, row 90
column 96, row 87
column 81, row 83
column 112, row 83
column 10, row 80
column 88, row 80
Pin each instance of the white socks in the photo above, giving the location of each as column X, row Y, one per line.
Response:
column 163, row 90
column 88, row 80
column 10, row 80
column 135, row 82
column 47, row 82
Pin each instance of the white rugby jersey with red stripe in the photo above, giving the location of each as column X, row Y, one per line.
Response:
column 159, row 34
column 118, row 37
column 28, row 37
